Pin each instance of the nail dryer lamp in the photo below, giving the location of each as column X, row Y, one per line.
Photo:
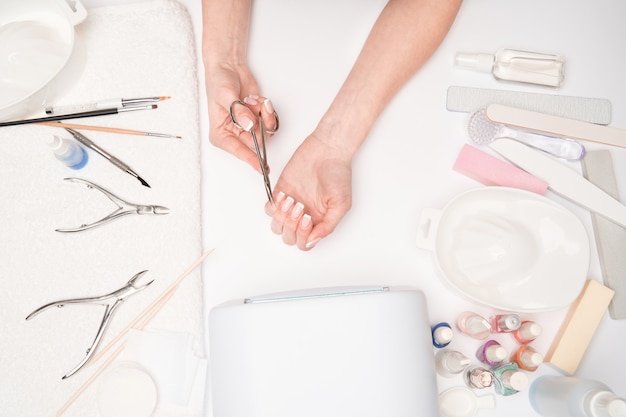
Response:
column 326, row 352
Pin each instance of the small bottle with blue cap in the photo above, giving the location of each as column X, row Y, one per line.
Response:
column 68, row 151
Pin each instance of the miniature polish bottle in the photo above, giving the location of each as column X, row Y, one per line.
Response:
column 520, row 66
column 508, row 379
column 478, row 377
column 441, row 334
column 564, row 396
column 491, row 353
column 450, row 362
column 527, row 332
column 68, row 151
column 527, row 358
column 473, row 325
column 505, row 323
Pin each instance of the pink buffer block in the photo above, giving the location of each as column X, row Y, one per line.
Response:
column 489, row 170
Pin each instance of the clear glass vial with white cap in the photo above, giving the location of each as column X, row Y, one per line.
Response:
column 521, row 66
column 564, row 396
column 68, row 151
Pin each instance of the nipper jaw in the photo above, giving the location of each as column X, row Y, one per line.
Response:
column 112, row 301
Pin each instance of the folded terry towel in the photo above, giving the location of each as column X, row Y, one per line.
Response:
column 135, row 50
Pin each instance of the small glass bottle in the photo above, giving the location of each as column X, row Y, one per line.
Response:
column 505, row 323
column 564, row 396
column 508, row 379
column 478, row 377
column 521, row 66
column 473, row 325
column 68, row 151
column 441, row 334
column 527, row 358
column 491, row 353
column 450, row 362
column 528, row 331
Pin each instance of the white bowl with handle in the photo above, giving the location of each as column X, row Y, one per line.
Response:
column 40, row 56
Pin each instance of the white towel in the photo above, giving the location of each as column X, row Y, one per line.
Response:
column 134, row 50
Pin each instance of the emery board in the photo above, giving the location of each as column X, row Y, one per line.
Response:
column 587, row 109
column 610, row 237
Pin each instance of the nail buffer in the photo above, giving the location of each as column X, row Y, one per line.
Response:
column 561, row 179
column 588, row 109
column 610, row 238
column 555, row 125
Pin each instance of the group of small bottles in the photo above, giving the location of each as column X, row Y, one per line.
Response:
column 504, row 375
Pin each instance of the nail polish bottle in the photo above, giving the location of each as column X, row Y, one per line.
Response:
column 505, row 323
column 527, row 358
column 450, row 362
column 68, row 151
column 528, row 331
column 565, row 396
column 491, row 353
column 478, row 377
column 520, row 66
column 473, row 325
column 441, row 334
column 508, row 379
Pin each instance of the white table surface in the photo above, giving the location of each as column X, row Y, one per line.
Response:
column 300, row 53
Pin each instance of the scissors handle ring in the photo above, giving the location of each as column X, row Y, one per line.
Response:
column 232, row 117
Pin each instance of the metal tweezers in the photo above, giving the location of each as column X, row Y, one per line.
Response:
column 119, row 296
column 123, row 208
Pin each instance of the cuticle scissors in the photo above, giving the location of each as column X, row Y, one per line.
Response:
column 119, row 296
column 259, row 148
column 123, row 208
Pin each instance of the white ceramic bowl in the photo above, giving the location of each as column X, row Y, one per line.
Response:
column 508, row 249
column 39, row 57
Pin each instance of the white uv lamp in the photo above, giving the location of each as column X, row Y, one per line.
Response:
column 356, row 351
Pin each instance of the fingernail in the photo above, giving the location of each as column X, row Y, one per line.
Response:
column 312, row 243
column 252, row 100
column 246, row 124
column 287, row 204
column 297, row 209
column 306, row 221
column 268, row 105
column 279, row 197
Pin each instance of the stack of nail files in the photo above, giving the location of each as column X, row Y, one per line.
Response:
column 132, row 50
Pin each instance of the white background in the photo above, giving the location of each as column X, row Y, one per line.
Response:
column 301, row 52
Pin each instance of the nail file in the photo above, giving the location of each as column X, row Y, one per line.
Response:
column 561, row 179
column 469, row 99
column 610, row 238
column 555, row 125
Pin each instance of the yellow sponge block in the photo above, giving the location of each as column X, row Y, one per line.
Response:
column 579, row 326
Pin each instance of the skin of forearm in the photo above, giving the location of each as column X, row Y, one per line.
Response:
column 225, row 26
column 403, row 38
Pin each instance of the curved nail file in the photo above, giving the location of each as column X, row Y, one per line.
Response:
column 555, row 125
column 561, row 179
column 588, row 109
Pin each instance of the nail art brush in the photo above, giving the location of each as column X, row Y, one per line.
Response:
column 121, row 165
column 92, row 113
column 105, row 104
column 110, row 130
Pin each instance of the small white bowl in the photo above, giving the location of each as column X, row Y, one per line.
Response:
column 39, row 57
column 509, row 249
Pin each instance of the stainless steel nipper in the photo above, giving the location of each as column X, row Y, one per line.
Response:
column 112, row 301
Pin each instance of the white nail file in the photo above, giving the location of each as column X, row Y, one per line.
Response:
column 610, row 237
column 555, row 125
column 561, row 179
column 588, row 109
